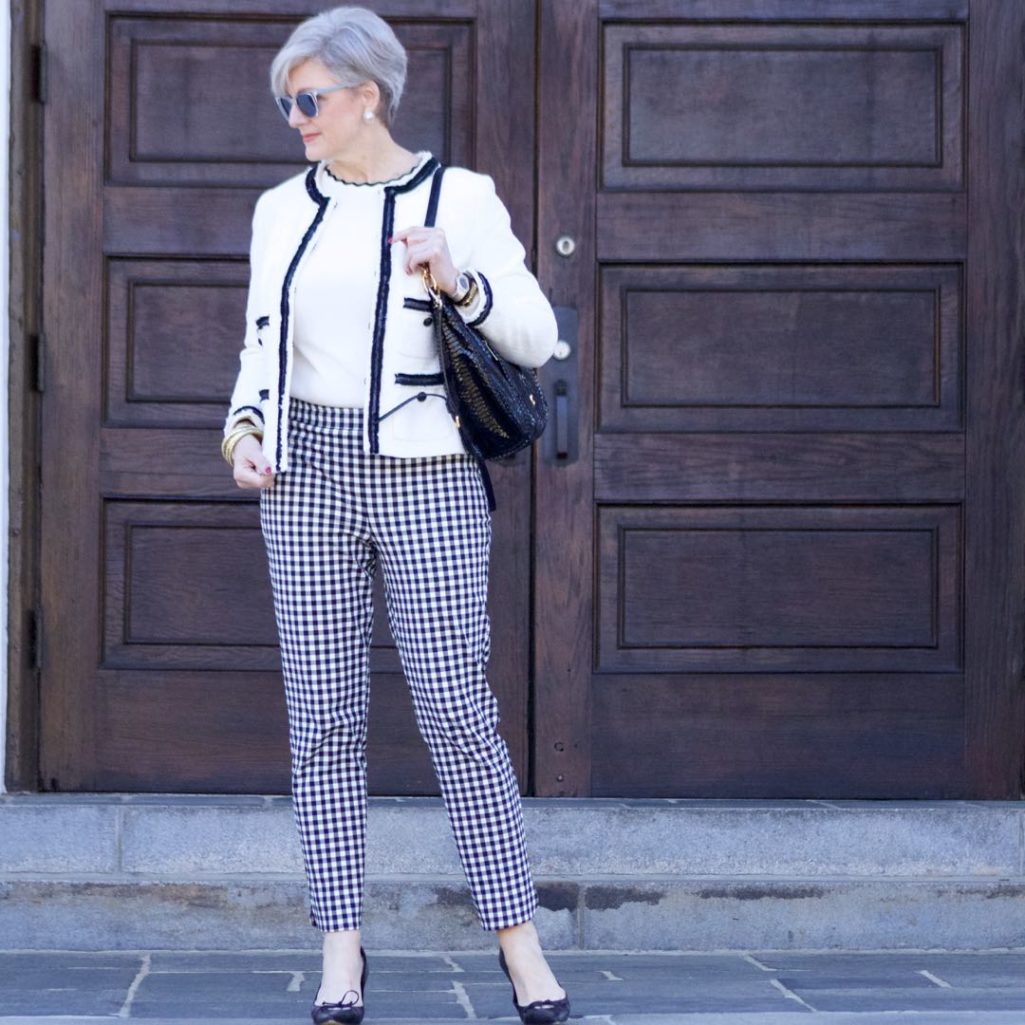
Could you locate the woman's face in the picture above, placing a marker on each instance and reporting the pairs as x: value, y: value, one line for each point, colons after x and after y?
x: 333, y: 132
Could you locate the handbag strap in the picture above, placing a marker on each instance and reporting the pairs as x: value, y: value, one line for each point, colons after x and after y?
x: 432, y: 203
x: 432, y: 213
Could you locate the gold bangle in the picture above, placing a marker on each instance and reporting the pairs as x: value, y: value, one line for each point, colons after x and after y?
x: 231, y: 440
x: 238, y: 433
x: 228, y: 447
x: 231, y: 443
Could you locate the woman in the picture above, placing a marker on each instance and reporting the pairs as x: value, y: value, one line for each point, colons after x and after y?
x: 338, y: 416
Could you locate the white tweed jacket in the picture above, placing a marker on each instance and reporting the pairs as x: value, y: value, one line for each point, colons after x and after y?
x: 511, y: 310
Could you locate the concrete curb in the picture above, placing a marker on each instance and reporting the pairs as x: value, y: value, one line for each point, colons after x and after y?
x: 194, y: 870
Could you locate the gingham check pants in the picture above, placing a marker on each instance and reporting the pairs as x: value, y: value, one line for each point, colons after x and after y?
x: 327, y: 521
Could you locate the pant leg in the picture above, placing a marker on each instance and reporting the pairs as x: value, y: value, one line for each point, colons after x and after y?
x: 321, y: 565
x: 433, y: 531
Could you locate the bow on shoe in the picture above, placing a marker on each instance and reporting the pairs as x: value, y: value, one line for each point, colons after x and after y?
x: 544, y: 1012
x: 537, y: 1012
x: 344, y: 1012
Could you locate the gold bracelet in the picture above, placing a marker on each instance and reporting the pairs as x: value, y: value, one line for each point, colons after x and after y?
x: 228, y: 446
x: 471, y: 292
x: 237, y: 434
x: 231, y: 440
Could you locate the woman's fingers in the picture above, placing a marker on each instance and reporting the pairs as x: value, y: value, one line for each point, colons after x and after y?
x: 423, y: 245
x: 251, y: 469
x: 428, y: 247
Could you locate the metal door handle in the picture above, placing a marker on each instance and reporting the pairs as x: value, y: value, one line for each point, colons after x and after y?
x: 559, y: 377
x: 561, y: 420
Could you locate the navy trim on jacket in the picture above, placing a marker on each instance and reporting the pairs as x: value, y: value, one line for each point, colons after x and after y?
x: 321, y: 201
x: 251, y: 409
x: 488, y: 296
x: 381, y: 311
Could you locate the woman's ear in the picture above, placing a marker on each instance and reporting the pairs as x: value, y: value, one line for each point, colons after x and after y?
x: 370, y: 95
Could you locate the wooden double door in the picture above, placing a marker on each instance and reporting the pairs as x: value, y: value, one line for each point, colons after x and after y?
x: 770, y: 546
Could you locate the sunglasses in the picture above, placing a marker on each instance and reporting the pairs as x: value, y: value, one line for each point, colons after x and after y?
x: 306, y: 101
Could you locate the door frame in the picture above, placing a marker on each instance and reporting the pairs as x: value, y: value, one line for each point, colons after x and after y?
x: 994, y: 484
x: 21, y: 762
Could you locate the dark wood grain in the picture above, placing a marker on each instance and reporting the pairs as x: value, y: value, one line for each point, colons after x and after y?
x: 780, y: 735
x: 504, y: 149
x: 159, y: 314
x: 294, y: 10
x: 781, y: 347
x: 776, y: 467
x: 788, y: 380
x: 783, y: 106
x: 235, y: 720
x: 779, y: 589
x: 995, y: 499
x: 781, y: 11
x: 563, y: 592
x: 764, y: 226
x: 212, y: 221
x: 21, y: 771
x: 70, y: 525
x: 155, y: 139
x: 151, y: 201
x: 784, y: 329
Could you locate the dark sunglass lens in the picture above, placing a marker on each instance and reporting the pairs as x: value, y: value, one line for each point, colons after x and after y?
x: 307, y: 103
x: 284, y: 105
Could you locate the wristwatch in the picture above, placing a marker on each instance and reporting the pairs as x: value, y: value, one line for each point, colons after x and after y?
x: 466, y: 289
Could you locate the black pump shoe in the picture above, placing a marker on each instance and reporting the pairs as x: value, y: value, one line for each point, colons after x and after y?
x: 344, y: 1012
x: 537, y: 1012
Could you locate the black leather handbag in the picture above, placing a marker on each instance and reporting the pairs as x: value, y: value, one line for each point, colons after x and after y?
x: 498, y: 407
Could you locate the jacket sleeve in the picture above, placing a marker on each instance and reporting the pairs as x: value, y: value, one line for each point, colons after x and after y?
x: 245, y: 396
x: 510, y: 309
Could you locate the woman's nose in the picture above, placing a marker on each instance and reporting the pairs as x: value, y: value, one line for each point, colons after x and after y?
x: 296, y: 118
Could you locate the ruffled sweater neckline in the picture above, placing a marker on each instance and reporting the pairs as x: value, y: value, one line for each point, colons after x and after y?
x: 329, y: 184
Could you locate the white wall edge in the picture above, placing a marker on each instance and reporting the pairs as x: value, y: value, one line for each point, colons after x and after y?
x: 5, y: 354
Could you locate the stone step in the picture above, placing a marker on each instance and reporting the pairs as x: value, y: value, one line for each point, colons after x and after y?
x: 125, y: 871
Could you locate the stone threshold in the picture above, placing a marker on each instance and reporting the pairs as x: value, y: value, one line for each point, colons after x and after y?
x: 138, y: 870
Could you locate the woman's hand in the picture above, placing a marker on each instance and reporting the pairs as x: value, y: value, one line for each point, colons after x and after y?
x: 427, y: 247
x: 250, y: 464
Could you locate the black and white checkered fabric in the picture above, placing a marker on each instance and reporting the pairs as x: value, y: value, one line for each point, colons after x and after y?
x: 327, y: 521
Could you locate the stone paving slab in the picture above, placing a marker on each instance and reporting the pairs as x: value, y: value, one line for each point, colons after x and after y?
x: 276, y: 987
x: 701, y: 1018
x: 845, y: 1018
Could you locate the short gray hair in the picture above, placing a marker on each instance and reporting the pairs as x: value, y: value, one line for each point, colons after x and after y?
x: 355, y: 45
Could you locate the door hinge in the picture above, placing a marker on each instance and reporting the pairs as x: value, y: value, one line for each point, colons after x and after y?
x: 38, y: 343
x: 39, y: 72
x: 35, y: 637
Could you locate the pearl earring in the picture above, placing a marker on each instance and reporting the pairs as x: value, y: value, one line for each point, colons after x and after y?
x: 368, y: 115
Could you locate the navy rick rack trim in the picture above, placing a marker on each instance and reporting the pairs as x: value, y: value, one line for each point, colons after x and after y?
x: 380, y: 313
x: 321, y: 200
x: 488, y: 296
